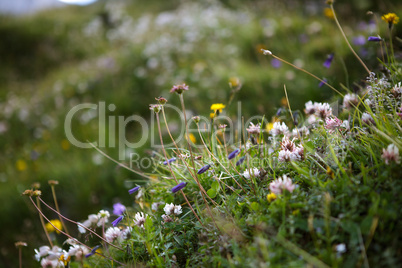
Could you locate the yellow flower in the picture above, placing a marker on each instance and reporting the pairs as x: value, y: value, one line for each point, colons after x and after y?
x: 217, y: 107
x: 330, y: 172
x: 269, y: 127
x: 271, y: 197
x: 391, y: 18
x: 212, y: 115
x: 21, y: 165
x: 192, y: 138
x: 328, y: 13
x: 56, y: 223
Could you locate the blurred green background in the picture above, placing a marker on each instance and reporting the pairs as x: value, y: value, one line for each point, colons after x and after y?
x: 127, y: 53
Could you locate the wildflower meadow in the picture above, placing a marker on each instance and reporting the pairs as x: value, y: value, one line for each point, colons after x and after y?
x: 204, y: 134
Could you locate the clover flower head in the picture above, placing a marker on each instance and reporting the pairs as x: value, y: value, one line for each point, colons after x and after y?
x: 155, y: 206
x: 125, y: 234
x: 254, y: 129
x: 155, y: 107
x: 139, y: 219
x: 112, y: 233
x: 303, y: 131
x: 391, y: 154
x: 310, y: 108
x: 350, y: 100
x: 179, y: 88
x: 166, y: 218
x: 332, y: 123
x: 41, y: 252
x: 118, y: 209
x: 323, y: 110
x: 255, y: 172
x: 287, y: 156
x: 78, y: 251
x: 279, y: 128
x: 171, y: 209
x: 367, y: 119
x: 287, y: 144
x: 281, y: 184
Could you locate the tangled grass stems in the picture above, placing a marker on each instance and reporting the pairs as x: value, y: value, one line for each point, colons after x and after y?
x: 170, y: 168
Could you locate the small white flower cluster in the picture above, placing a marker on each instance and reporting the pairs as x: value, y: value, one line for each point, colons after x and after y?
x: 333, y: 123
x: 155, y: 206
x: 303, y: 131
x: 56, y: 256
x: 367, y: 119
x: 279, y: 128
x: 350, y: 100
x: 255, y: 172
x: 172, y: 209
x: 113, y: 233
x: 289, y: 151
x: 139, y: 219
x: 391, y: 154
x: 317, y: 111
x: 281, y: 184
x: 254, y: 129
x: 94, y: 219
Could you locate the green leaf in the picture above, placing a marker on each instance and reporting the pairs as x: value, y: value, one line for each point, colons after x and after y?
x: 255, y: 206
x: 211, y: 193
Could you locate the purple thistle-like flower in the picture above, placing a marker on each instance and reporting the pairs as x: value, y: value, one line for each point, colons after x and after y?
x: 169, y: 160
x: 135, y: 189
x: 322, y: 82
x: 203, y: 169
x: 240, y: 161
x: 178, y: 187
x: 374, y: 39
x: 116, y: 221
x: 118, y: 209
x: 93, y: 251
x: 328, y: 61
x: 234, y: 154
x: 179, y: 88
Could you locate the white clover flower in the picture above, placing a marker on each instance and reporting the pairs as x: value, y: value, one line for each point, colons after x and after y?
x: 155, y: 206
x: 254, y: 129
x: 255, y: 172
x: 286, y: 156
x: 42, y: 252
x: 310, y: 108
x: 279, y: 128
x: 78, y: 251
x: 166, y: 218
x: 172, y: 209
x: 303, y: 131
x: 350, y: 100
x: 112, y: 233
x: 368, y: 102
x: 125, y: 234
x: 332, y: 123
x: 312, y: 119
x: 367, y: 119
x: 322, y: 110
x: 139, y: 219
x: 281, y: 184
x: 391, y: 154
x: 345, y: 124
x: 103, y: 217
x: 45, y: 262
x: 287, y: 144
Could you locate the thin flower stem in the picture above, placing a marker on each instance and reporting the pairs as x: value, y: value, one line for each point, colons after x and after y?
x: 307, y: 72
x: 120, y: 164
x: 69, y: 236
x: 346, y: 40
x: 42, y: 221
x: 171, y: 171
x: 391, y: 45
x: 57, y: 207
x: 179, y: 155
x: 83, y: 226
x: 211, y: 154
